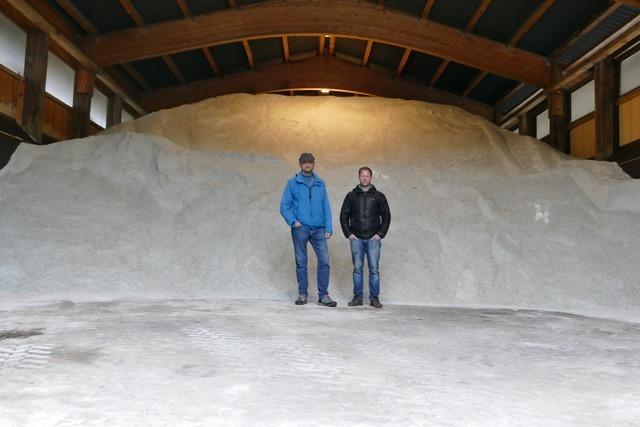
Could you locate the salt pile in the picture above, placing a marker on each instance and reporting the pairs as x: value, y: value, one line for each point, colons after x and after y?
x: 185, y: 202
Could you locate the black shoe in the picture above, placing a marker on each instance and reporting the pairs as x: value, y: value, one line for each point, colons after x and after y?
x: 302, y: 299
x: 327, y: 301
x: 355, y: 301
x: 375, y: 302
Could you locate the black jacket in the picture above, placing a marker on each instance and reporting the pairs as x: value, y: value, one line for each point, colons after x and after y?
x: 365, y: 213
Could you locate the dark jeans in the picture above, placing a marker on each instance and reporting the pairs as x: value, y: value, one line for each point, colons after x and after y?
x: 370, y: 248
x: 301, y: 236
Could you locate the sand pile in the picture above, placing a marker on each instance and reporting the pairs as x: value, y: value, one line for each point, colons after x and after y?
x: 185, y: 202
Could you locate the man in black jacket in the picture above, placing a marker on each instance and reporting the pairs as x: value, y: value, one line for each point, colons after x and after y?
x: 365, y: 219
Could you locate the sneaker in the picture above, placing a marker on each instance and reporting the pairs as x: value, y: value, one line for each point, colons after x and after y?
x: 355, y: 301
x: 327, y: 301
x: 375, y: 302
x: 302, y: 299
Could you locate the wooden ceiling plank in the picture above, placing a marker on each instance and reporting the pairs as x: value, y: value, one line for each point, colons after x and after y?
x: 359, y: 20
x: 530, y: 22
x: 403, y: 62
x: 78, y: 16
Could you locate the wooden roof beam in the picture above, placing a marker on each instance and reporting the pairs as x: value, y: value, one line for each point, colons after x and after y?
x: 233, y: 4
x: 332, y: 45
x: 367, y: 53
x: 60, y: 34
x: 249, y: 53
x: 132, y: 12
x: 174, y: 69
x: 632, y: 3
x: 136, y: 76
x: 313, y: 73
x: 475, y: 82
x: 357, y: 19
x: 482, y: 7
x: 77, y: 16
x: 426, y: 10
x: 212, y: 62
x: 285, y: 49
x: 530, y: 22
x: 403, y: 62
x: 184, y: 7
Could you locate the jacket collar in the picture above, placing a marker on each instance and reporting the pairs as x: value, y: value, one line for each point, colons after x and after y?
x: 359, y: 190
x: 299, y: 177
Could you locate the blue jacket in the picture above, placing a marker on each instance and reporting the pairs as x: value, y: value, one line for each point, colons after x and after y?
x: 310, y: 206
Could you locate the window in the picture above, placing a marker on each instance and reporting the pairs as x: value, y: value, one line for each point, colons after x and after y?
x: 60, y: 80
x: 630, y: 73
x: 99, y: 106
x: 583, y: 101
x: 13, y: 45
x: 542, y: 124
x: 126, y: 117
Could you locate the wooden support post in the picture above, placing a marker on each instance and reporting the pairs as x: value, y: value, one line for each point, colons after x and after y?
x: 527, y: 124
x: 81, y: 122
x: 559, y: 114
x: 114, y: 110
x: 607, y: 89
x: 35, y: 77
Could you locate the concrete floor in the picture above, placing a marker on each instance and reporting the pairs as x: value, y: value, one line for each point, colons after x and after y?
x: 250, y: 362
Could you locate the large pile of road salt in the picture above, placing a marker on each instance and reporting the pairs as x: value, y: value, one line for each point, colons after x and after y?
x: 185, y: 202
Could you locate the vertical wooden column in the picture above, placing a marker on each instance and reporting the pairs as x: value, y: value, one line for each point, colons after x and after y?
x: 607, y: 90
x: 80, y: 125
x: 114, y: 110
x: 527, y: 124
x: 35, y: 77
x: 559, y: 117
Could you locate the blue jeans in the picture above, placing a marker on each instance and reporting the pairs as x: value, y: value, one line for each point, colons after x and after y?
x: 301, y: 236
x: 370, y: 248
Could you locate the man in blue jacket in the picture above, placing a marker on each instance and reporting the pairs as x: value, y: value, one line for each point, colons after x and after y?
x: 305, y: 208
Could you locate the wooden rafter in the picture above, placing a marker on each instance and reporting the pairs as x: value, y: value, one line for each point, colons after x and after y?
x: 77, y: 16
x: 530, y: 22
x: 136, y: 76
x: 332, y: 45
x: 509, y: 93
x: 367, y: 53
x: 359, y: 20
x: 321, y: 44
x: 482, y: 7
x: 586, y: 30
x: 312, y: 74
x: 426, y: 10
x: 249, y: 53
x: 212, y: 62
x: 132, y: 12
x: 403, y: 62
x: 233, y: 4
x: 285, y: 48
x: 632, y: 3
x: 477, y: 15
x: 475, y: 82
x: 174, y: 69
x: 184, y: 7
